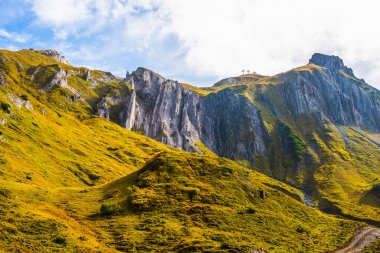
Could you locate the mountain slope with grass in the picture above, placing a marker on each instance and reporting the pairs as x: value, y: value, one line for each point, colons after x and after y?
x: 73, y: 181
x: 314, y: 127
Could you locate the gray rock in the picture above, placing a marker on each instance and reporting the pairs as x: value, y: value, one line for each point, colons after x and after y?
x: 60, y: 79
x: 230, y: 124
x: 18, y: 102
x: 102, y: 109
x: 330, y: 94
x: 87, y: 76
x: 163, y: 109
x: 3, y: 121
x: 3, y: 81
x: 54, y: 54
x: 28, y: 105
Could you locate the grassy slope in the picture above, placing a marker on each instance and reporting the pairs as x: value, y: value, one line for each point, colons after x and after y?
x: 56, y: 170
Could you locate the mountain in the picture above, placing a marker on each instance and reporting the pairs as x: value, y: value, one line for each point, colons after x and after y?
x: 72, y: 180
x: 314, y: 127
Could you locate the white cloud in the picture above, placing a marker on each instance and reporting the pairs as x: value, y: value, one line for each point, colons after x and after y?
x: 16, y: 37
x: 220, y: 37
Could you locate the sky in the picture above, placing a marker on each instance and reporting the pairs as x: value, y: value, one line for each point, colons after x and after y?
x: 197, y: 41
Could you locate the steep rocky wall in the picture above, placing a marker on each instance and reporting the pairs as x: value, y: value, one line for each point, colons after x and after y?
x: 335, y: 93
x: 228, y: 122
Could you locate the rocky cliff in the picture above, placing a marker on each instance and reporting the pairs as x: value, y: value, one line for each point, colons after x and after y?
x: 226, y: 122
x: 333, y: 92
x: 228, y: 118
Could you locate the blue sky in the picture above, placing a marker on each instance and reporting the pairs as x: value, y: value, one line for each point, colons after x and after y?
x: 197, y: 41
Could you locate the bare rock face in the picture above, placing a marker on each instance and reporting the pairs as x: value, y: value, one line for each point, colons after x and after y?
x: 163, y: 109
x: 334, y: 93
x: 228, y: 122
x: 3, y: 81
x: 19, y: 102
x: 60, y: 79
x: 102, y: 109
x: 52, y: 53
x: 87, y: 75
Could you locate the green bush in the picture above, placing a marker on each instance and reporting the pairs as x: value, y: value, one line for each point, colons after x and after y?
x: 59, y: 239
x: 301, y: 229
x: 249, y: 210
x: 109, y: 209
x: 24, y: 97
x: 4, y: 106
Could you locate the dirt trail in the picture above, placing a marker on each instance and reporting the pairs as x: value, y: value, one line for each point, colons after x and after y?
x: 363, y: 237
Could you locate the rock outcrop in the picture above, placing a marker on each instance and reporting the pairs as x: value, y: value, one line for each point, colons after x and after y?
x: 3, y: 81
x: 19, y: 102
x: 52, y: 53
x: 102, y: 109
x: 60, y: 79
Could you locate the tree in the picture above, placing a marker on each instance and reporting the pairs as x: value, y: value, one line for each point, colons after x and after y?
x: 243, y: 71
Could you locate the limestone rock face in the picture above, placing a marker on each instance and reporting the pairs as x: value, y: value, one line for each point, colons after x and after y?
x: 102, y: 109
x: 333, y: 93
x: 167, y: 111
x: 52, y: 53
x: 228, y: 121
x: 60, y: 79
x: 19, y: 103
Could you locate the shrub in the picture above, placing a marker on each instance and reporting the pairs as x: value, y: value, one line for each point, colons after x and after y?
x: 4, y: 106
x: 301, y: 229
x: 249, y: 210
x: 109, y: 209
x: 59, y: 239
x: 192, y: 193
x: 24, y: 97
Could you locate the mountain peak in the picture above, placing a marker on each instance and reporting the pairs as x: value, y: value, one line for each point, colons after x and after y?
x: 143, y: 76
x: 328, y: 61
x: 332, y: 62
x: 141, y: 71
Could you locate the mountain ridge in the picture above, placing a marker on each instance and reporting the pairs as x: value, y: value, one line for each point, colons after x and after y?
x: 281, y: 125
